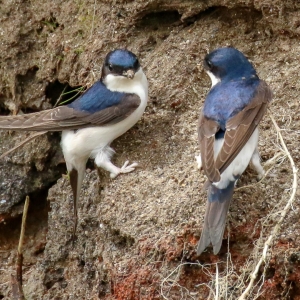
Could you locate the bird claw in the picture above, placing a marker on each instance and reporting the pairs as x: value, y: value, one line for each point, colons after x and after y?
x: 124, y: 169
x: 260, y: 175
x: 199, y: 161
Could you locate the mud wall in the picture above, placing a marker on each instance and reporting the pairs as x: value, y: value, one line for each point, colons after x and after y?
x: 137, y: 233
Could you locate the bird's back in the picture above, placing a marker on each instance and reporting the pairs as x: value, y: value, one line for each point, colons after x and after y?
x: 229, y: 97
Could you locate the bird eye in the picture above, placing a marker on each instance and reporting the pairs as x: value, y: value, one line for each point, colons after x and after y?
x: 209, y: 63
x: 136, y: 64
x: 110, y: 67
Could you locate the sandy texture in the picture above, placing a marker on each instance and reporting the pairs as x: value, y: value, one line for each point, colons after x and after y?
x: 137, y: 234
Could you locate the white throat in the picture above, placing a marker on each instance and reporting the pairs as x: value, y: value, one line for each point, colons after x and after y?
x: 213, y: 78
x: 138, y: 85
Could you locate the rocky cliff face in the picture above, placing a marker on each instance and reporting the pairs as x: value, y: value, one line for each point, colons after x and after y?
x: 137, y: 233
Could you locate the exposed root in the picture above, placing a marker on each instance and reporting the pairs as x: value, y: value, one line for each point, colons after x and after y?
x: 17, y: 289
x: 30, y: 138
x: 247, y: 281
x: 283, y: 214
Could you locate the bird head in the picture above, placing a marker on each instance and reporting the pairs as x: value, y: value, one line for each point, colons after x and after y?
x: 227, y: 64
x: 120, y: 63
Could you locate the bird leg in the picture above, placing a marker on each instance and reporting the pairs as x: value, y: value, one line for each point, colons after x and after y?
x: 102, y: 160
x: 114, y: 170
x: 256, y: 165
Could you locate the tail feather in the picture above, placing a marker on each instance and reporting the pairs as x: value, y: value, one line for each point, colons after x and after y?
x: 56, y: 119
x: 215, y: 217
x: 76, y: 179
x: 26, y: 122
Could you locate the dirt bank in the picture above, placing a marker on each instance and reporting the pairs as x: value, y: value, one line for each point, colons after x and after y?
x: 137, y: 233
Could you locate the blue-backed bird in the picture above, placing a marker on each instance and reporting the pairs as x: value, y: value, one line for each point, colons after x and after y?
x: 105, y: 111
x: 228, y: 134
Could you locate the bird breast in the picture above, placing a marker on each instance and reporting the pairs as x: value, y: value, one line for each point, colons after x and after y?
x: 87, y: 142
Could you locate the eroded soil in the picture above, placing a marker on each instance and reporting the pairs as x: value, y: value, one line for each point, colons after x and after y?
x: 137, y: 234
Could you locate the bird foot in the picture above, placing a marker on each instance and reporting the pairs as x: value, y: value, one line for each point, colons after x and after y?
x: 66, y: 176
x: 260, y: 175
x: 124, y: 169
x: 256, y: 165
x: 199, y: 161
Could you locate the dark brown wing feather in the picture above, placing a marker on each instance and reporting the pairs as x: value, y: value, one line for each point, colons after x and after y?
x: 114, y: 114
x: 240, y: 127
x: 64, y: 117
x: 206, y: 135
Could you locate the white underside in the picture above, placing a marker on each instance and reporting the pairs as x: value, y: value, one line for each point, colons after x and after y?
x: 240, y: 163
x: 94, y: 141
x: 213, y: 78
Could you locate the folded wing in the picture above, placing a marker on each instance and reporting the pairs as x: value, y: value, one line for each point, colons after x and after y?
x: 64, y: 117
x: 238, y: 131
x: 240, y: 127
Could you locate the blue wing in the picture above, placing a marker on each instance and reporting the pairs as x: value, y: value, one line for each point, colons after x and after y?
x: 228, y: 98
x: 98, y: 106
x: 96, y: 98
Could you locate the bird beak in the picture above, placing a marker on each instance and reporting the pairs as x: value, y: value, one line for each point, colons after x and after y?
x: 129, y: 74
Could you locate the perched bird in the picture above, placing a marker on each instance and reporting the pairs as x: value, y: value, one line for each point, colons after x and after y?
x: 228, y: 134
x: 89, y: 124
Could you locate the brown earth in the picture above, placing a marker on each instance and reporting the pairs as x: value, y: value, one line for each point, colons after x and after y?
x: 137, y: 234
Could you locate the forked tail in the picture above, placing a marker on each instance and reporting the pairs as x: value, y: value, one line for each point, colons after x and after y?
x: 215, y: 217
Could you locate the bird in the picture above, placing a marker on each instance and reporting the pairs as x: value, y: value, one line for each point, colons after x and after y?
x: 228, y: 134
x: 110, y: 107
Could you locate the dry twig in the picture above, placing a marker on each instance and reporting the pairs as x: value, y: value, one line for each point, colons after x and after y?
x: 31, y: 137
x: 283, y: 214
x: 17, y: 280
